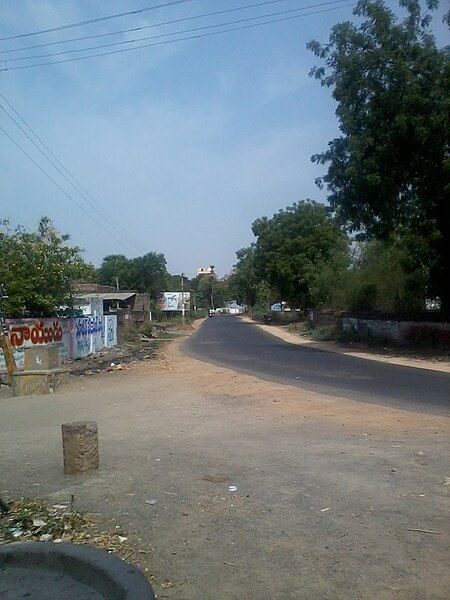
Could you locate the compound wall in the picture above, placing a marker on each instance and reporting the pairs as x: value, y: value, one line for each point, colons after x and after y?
x: 78, y: 337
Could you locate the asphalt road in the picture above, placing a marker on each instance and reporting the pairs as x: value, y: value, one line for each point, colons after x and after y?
x: 229, y: 341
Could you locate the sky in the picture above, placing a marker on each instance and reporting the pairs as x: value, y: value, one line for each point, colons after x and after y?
x: 182, y: 145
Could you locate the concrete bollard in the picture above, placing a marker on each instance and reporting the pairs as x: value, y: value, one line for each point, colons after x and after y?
x: 80, y: 447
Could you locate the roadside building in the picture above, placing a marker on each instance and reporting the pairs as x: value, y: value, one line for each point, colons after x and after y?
x: 130, y: 307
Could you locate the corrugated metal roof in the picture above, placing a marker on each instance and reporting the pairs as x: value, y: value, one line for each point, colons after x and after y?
x: 106, y: 296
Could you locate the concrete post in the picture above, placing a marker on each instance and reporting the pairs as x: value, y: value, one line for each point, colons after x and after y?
x: 80, y: 447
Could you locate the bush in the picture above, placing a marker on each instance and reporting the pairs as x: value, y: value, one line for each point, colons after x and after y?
x: 147, y: 328
x: 129, y: 334
x: 286, y: 318
x: 325, y: 333
x: 425, y: 337
x: 257, y: 313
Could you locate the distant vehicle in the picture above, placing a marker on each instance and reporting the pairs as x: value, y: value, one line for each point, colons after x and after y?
x: 211, y: 312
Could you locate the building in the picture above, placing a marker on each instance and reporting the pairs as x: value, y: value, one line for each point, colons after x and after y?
x: 131, y: 307
x: 234, y: 308
x: 205, y: 271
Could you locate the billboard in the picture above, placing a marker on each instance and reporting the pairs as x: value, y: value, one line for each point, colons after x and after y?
x: 173, y: 300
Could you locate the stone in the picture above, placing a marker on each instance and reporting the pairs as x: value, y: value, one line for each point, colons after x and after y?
x: 80, y: 447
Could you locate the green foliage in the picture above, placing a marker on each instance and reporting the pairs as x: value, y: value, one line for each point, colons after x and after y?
x: 243, y: 283
x: 380, y: 280
x: 324, y: 333
x: 286, y: 317
x: 389, y: 171
x: 209, y: 291
x: 38, y: 269
x: 294, y: 247
x: 146, y: 273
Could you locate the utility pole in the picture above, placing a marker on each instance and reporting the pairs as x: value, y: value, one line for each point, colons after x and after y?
x: 5, y: 343
x: 183, y: 317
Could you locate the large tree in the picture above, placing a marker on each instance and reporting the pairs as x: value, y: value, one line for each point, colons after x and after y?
x: 243, y: 282
x: 146, y: 273
x: 38, y: 269
x: 389, y: 170
x: 294, y: 246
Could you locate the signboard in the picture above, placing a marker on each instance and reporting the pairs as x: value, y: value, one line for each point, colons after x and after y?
x: 172, y: 301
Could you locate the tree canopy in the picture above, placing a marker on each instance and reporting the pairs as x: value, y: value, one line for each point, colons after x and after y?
x: 146, y: 273
x: 38, y: 269
x: 389, y: 170
x: 294, y: 246
x: 244, y: 282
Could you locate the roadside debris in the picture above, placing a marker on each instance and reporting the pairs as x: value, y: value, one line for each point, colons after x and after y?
x: 113, y: 359
x: 232, y: 488
x: 446, y: 481
x: 324, y: 509
x: 218, y: 478
x: 152, y: 501
x: 426, y: 531
x: 33, y: 520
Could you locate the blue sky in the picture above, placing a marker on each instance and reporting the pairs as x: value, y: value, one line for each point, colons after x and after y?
x: 184, y: 144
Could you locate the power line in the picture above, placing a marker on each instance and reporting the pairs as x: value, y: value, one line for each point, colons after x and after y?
x: 62, y: 170
x: 80, y: 206
x: 161, y: 35
x: 182, y: 39
x: 97, y: 20
x: 132, y: 29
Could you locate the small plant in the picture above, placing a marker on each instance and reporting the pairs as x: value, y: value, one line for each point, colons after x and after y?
x: 146, y: 328
x: 324, y: 333
x: 129, y: 334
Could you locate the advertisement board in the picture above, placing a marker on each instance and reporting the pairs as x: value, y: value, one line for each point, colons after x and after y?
x: 172, y: 301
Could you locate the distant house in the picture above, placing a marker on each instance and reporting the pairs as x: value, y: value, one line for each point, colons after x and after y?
x: 205, y: 271
x: 131, y: 308
x: 234, y: 308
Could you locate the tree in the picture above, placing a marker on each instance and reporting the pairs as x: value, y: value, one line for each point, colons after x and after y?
x: 38, y: 269
x: 243, y: 282
x: 292, y: 248
x: 146, y: 273
x: 150, y: 273
x: 115, y: 268
x: 389, y: 171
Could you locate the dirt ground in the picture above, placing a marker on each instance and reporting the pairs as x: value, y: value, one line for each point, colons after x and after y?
x: 333, y: 499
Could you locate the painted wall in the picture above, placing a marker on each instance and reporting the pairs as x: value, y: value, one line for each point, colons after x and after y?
x: 110, y: 331
x: 401, y: 332
x: 77, y: 337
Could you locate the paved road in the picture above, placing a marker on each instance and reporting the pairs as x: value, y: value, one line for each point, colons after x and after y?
x: 231, y: 342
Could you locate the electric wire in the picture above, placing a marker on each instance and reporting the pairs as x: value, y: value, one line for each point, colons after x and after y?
x: 96, y: 20
x: 80, y: 206
x: 182, y: 31
x: 165, y: 42
x: 62, y: 170
x: 133, y: 29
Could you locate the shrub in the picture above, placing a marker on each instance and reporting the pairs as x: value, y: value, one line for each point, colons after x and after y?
x: 147, y: 328
x: 129, y: 334
x: 324, y: 333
